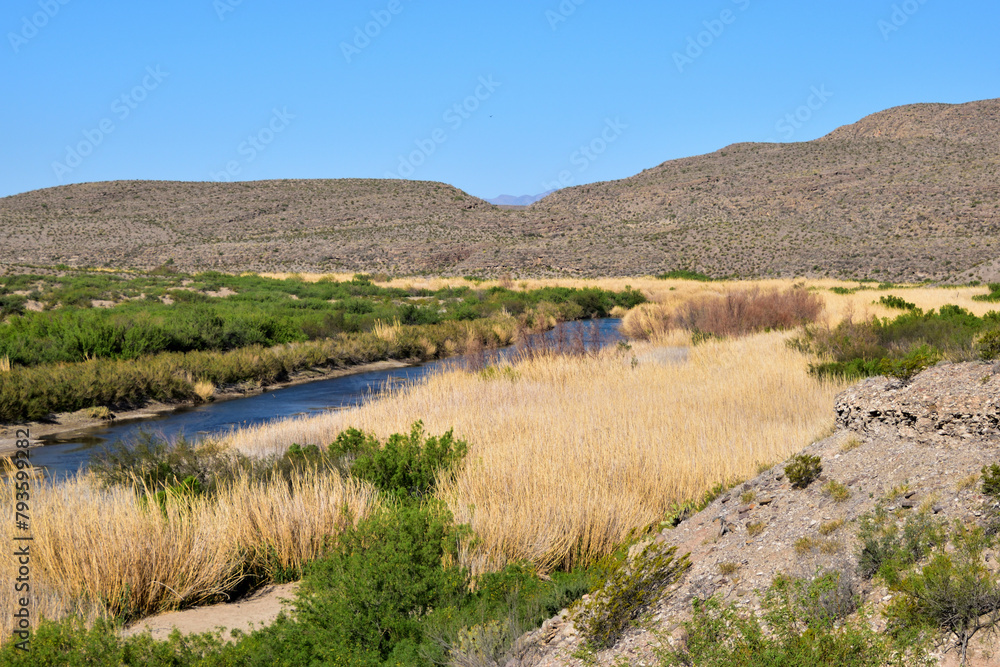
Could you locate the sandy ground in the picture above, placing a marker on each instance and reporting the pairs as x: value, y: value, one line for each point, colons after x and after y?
x: 68, y: 422
x: 249, y: 613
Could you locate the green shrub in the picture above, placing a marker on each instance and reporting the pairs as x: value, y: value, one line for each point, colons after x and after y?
x: 69, y: 642
x: 954, y: 592
x: 993, y: 296
x: 803, y: 470
x: 801, y: 627
x: 684, y: 274
x: 405, y: 466
x: 902, y: 346
x: 991, y: 480
x: 988, y: 345
x: 886, y: 549
x: 896, y: 302
x: 837, y: 491
x: 625, y: 591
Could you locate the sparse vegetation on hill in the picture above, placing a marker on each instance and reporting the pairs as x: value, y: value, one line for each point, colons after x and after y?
x: 910, y: 193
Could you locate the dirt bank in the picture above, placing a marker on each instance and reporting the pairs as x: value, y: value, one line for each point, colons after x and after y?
x: 67, y: 422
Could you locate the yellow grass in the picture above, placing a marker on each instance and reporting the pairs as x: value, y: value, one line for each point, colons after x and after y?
x: 204, y: 389
x: 95, y: 547
x: 4, y: 364
x: 567, y: 455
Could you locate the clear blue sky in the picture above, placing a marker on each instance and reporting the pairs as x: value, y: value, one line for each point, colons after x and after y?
x: 249, y: 89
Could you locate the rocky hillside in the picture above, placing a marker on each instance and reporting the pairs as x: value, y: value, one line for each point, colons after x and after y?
x: 912, y: 192
x: 913, y: 447
x: 905, y: 194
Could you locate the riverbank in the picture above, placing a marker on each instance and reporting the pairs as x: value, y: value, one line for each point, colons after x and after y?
x: 69, y: 422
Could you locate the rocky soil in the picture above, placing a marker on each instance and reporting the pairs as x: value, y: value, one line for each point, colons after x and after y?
x: 913, y: 446
x: 905, y: 194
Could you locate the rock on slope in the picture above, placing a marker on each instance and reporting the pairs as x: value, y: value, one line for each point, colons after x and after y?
x: 913, y: 445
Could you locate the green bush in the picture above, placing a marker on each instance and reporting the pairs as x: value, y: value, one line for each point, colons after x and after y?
x: 988, y: 345
x: 70, y: 643
x: 405, y: 466
x: 991, y: 480
x: 902, y: 346
x: 955, y: 592
x: 896, y: 302
x: 625, y: 591
x: 993, y: 296
x: 885, y: 548
x: 803, y: 470
x: 797, y: 630
x: 684, y: 274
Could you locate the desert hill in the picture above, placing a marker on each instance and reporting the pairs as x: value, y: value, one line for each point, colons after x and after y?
x: 911, y: 192
x: 905, y: 194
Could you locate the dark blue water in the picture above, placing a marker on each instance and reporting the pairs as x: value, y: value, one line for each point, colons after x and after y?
x: 68, y: 452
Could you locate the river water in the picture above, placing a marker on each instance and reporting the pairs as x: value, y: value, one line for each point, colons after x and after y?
x: 66, y: 453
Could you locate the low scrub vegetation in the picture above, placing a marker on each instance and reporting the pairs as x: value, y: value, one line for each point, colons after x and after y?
x: 904, y: 345
x: 218, y: 312
x: 992, y: 297
x: 30, y: 393
x: 174, y: 338
x: 803, y: 623
x: 625, y: 590
x: 803, y: 470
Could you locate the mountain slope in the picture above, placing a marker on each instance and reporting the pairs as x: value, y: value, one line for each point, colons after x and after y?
x: 912, y: 192
x: 905, y: 194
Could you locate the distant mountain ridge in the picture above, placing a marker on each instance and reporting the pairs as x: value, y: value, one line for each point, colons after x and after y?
x: 909, y: 193
x: 523, y: 200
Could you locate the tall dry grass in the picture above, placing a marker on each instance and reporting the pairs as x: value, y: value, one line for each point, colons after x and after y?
x: 568, y: 453
x: 735, y: 313
x: 103, y: 550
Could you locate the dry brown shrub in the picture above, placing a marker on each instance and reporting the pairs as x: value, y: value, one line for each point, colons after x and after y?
x: 736, y: 313
x: 748, y: 311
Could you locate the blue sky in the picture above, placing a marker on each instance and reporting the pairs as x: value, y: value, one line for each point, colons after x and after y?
x: 491, y: 97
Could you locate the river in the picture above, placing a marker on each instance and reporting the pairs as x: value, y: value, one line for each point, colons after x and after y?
x: 65, y: 453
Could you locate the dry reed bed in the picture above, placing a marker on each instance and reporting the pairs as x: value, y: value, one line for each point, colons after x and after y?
x: 571, y: 453
x: 98, y: 549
